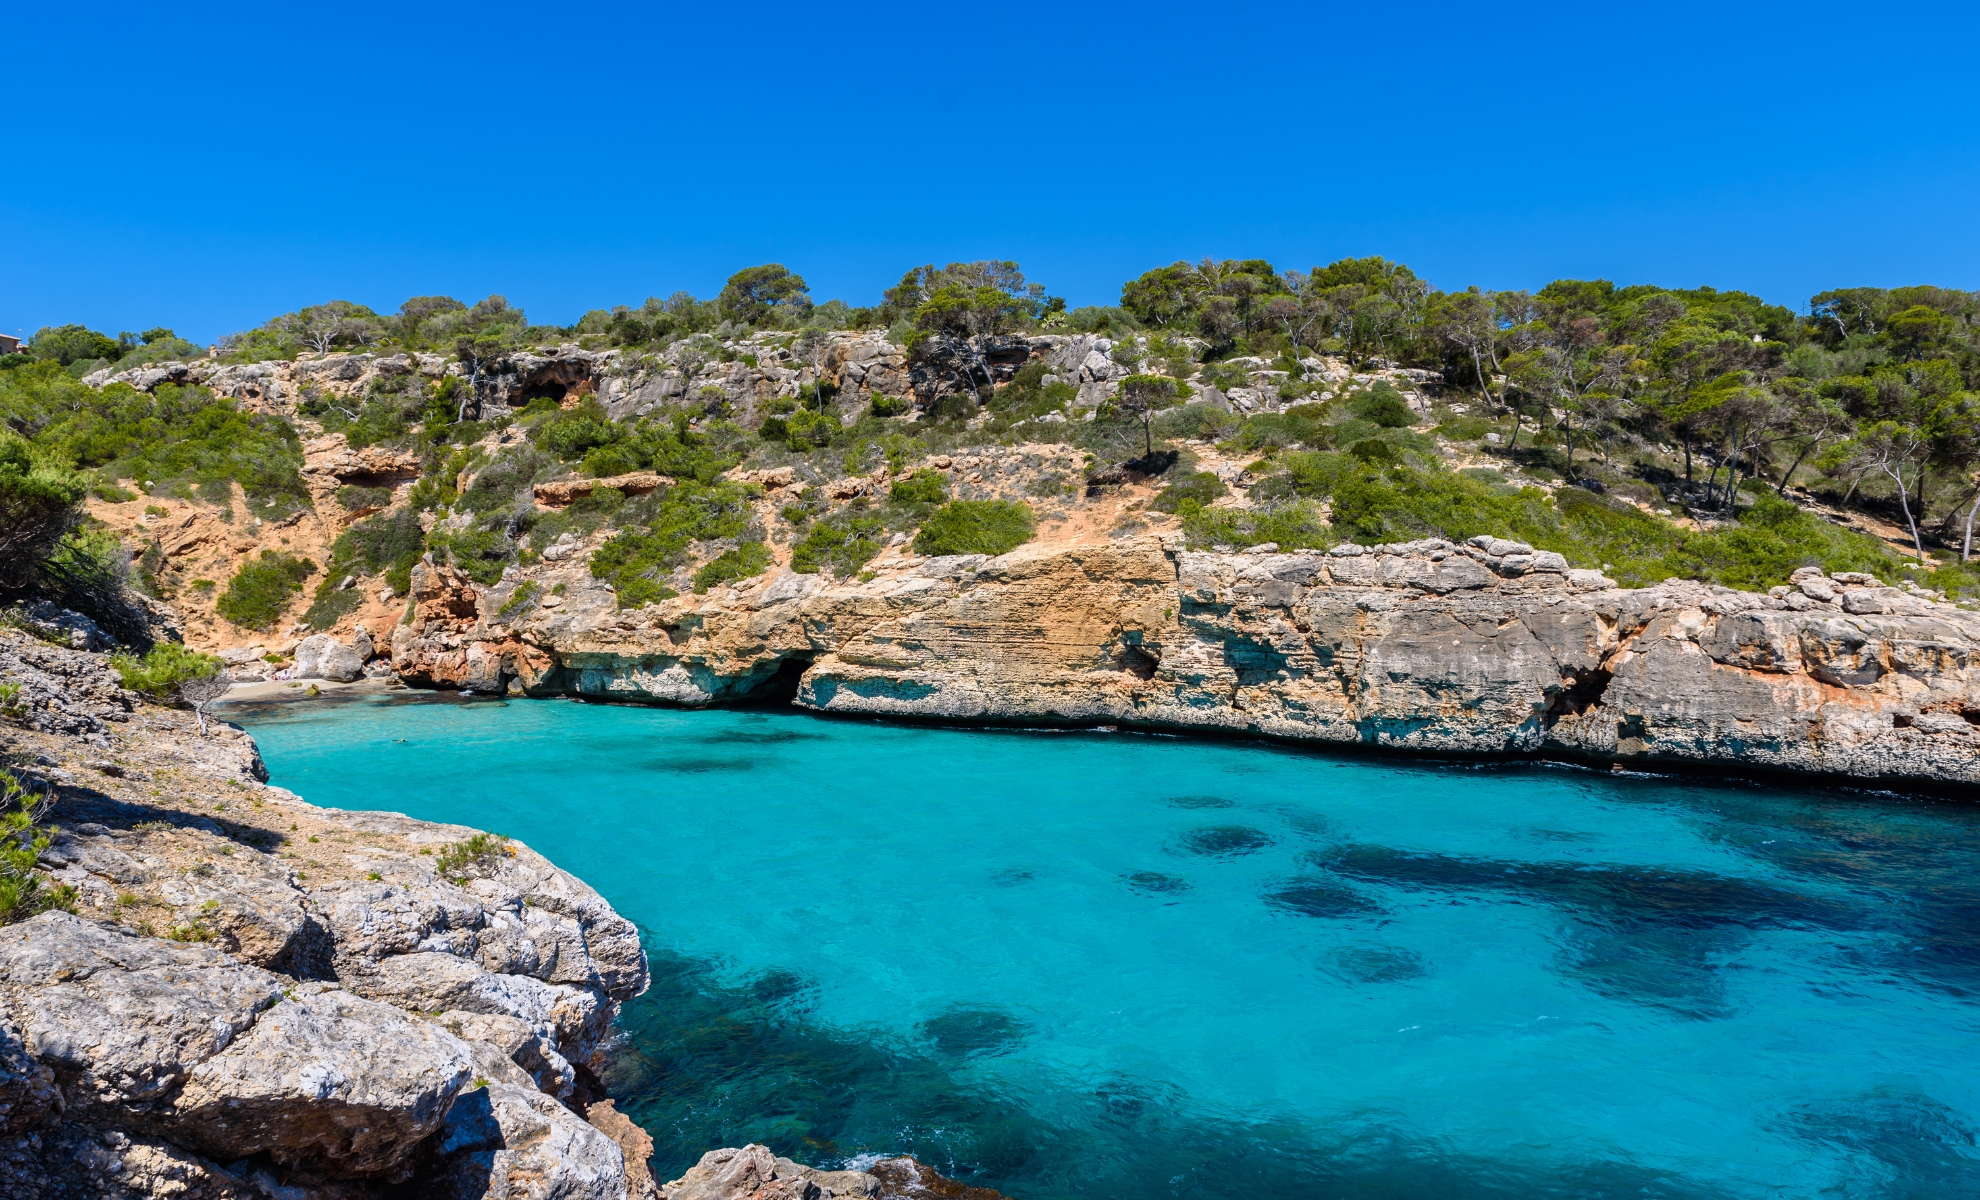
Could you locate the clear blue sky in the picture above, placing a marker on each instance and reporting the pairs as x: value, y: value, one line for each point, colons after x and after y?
x: 206, y: 166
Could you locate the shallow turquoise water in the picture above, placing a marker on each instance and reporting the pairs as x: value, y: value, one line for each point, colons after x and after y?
x: 1112, y: 965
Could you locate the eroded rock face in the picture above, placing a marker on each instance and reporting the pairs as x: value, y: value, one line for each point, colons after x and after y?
x: 325, y: 1079
x: 326, y: 1003
x: 1489, y: 648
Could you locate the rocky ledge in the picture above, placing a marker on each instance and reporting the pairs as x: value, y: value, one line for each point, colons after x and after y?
x: 1487, y: 648
x: 257, y: 997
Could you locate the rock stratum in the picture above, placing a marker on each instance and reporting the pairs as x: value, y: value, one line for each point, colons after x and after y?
x: 1487, y: 648
x: 257, y: 997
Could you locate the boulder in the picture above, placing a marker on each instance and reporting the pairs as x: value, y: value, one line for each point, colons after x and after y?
x: 123, y: 1019
x: 326, y: 1080
x: 503, y: 1142
x: 321, y: 656
x: 754, y: 1173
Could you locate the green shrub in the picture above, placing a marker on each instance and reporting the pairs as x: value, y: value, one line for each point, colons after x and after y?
x: 39, y: 505
x: 331, y: 606
x: 178, y: 440
x: 1383, y: 405
x: 352, y: 497
x: 260, y: 591
x: 571, y: 434
x: 841, y: 544
x: 163, y: 669
x: 520, y: 601
x: 23, y: 892
x: 889, y: 406
x: 455, y: 863
x: 634, y: 560
x: 743, y: 562
x: 1293, y: 526
x: 990, y: 527
x: 922, y: 487
x: 1202, y: 487
x: 606, y: 461
x: 387, y: 544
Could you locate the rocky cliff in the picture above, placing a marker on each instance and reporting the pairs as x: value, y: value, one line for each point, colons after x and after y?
x: 254, y: 996
x: 251, y: 996
x: 1487, y: 648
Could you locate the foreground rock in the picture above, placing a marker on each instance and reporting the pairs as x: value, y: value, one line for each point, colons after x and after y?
x: 754, y: 1173
x: 258, y: 997
x: 1487, y: 648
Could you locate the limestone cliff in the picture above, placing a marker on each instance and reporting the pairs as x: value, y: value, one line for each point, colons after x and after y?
x: 1488, y: 648
x: 257, y: 997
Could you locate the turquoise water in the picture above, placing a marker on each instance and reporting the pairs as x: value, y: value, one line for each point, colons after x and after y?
x: 1123, y: 966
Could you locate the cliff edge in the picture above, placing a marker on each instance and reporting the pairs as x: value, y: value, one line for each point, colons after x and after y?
x: 1486, y: 648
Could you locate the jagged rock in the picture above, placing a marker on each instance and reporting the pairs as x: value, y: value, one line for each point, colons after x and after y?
x: 521, y: 1049
x: 122, y: 1019
x: 502, y: 1142
x: 27, y: 1087
x: 325, y: 1080
x: 1488, y: 648
x: 561, y: 492
x: 134, y: 1066
x: 321, y: 656
x: 754, y: 1173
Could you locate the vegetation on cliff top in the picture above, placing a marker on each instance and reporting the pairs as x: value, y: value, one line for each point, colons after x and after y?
x: 1695, y: 400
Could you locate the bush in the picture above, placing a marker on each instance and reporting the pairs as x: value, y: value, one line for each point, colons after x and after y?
x: 1384, y: 406
x: 634, y: 560
x: 745, y: 561
x: 483, y: 850
x: 23, y: 892
x: 922, y: 487
x: 331, y: 606
x: 889, y: 406
x: 39, y: 505
x: 573, y: 433
x: 260, y: 591
x: 352, y: 497
x: 1293, y: 526
x: 841, y: 543
x: 990, y: 527
x: 159, y: 673
x: 1201, y: 487
x: 177, y: 440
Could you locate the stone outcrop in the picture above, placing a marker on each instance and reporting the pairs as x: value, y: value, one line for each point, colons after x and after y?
x: 754, y: 1173
x: 1487, y: 648
x: 320, y: 656
x: 257, y: 997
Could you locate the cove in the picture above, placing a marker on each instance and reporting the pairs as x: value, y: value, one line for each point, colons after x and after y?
x: 1116, y: 965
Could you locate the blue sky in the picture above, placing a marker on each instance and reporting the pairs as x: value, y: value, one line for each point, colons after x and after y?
x: 206, y: 166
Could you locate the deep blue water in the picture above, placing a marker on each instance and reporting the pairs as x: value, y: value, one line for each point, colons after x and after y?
x: 1105, y: 965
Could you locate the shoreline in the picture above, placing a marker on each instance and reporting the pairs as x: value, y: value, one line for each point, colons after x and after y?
x: 1716, y: 774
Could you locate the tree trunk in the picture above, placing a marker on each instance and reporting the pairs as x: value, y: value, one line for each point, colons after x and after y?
x: 1904, y: 502
x: 1966, y: 549
x: 1782, y: 490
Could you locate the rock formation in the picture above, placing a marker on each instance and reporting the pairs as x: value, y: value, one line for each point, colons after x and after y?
x: 257, y: 997
x: 1486, y: 648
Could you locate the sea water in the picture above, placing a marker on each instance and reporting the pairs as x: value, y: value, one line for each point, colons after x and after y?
x: 1120, y: 965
